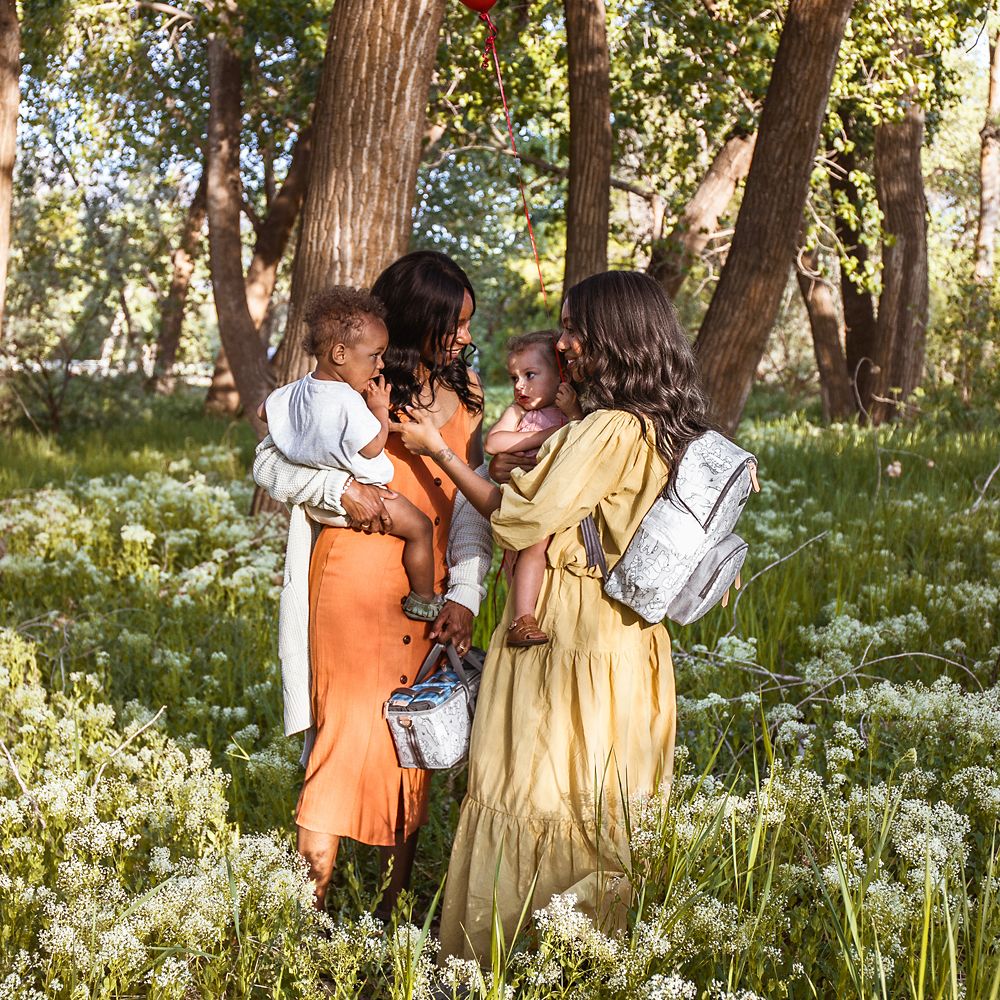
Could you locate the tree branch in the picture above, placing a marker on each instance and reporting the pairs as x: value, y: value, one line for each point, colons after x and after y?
x: 982, y: 492
x: 175, y: 13
x: 500, y: 145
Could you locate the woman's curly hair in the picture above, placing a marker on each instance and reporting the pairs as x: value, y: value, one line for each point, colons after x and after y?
x: 637, y: 358
x: 423, y: 294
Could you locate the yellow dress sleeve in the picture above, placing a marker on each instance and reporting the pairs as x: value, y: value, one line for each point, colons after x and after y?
x: 578, y: 467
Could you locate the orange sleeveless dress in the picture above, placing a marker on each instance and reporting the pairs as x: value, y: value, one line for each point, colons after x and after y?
x: 361, y: 647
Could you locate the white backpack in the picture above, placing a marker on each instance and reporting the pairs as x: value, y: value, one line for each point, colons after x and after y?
x: 684, y: 557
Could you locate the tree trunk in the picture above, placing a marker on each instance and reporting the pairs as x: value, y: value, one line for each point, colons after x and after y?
x: 989, y: 173
x: 222, y: 397
x: 860, y: 328
x: 172, y: 310
x: 903, y: 304
x: 834, y: 384
x: 269, y: 249
x: 735, y: 329
x: 10, y: 96
x: 369, y: 124
x: 239, y: 337
x: 672, y: 257
x: 276, y: 229
x: 589, y: 200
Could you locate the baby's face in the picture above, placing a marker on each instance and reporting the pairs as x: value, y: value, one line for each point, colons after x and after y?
x: 534, y: 377
x: 362, y: 360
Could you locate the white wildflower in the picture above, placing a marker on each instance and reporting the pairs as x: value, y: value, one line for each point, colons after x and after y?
x: 137, y: 534
x: 671, y: 987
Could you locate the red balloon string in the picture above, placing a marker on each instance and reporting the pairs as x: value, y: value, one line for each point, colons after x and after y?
x: 490, y: 53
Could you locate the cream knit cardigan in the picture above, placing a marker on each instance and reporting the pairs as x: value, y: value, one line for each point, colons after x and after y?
x: 470, y: 553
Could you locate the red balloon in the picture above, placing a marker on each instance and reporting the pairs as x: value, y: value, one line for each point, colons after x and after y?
x: 479, y: 6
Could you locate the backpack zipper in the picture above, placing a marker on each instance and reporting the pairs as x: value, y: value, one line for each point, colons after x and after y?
x: 725, y: 489
x: 718, y: 569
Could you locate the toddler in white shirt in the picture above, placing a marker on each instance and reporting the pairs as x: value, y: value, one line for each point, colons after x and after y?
x: 337, y: 417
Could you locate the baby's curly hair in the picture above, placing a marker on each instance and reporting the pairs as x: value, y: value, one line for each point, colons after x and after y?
x: 335, y: 317
x: 546, y: 340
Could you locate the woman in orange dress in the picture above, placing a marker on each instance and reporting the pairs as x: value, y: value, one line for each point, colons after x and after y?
x: 361, y: 645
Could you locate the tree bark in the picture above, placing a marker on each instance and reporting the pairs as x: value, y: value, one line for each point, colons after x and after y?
x: 172, y: 310
x: 671, y: 258
x: 735, y: 329
x: 834, y: 384
x: 10, y: 96
x: 860, y: 327
x: 589, y: 200
x: 276, y: 229
x: 989, y: 173
x: 369, y: 125
x: 239, y: 337
x: 269, y: 249
x: 903, y: 304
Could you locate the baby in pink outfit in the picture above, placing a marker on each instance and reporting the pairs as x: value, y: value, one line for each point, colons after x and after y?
x: 543, y: 403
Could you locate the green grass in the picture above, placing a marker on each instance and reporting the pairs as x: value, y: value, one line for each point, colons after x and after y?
x: 143, y: 440
x: 892, y: 578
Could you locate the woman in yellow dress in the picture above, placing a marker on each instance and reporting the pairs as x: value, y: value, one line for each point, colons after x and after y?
x: 566, y: 733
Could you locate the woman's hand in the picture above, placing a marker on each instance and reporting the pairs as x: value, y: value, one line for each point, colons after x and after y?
x: 365, y: 506
x: 454, y: 624
x: 506, y: 462
x: 419, y: 434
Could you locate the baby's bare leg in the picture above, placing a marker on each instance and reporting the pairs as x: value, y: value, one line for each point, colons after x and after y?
x: 527, y: 583
x: 416, y: 530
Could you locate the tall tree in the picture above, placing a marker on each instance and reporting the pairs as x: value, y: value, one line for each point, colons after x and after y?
x: 237, y: 331
x: 174, y: 303
x: 903, y: 304
x: 10, y: 96
x: 734, y: 332
x: 272, y: 235
x: 368, y: 128
x: 860, y: 326
x: 817, y: 294
x: 671, y: 258
x: 989, y: 172
x: 590, y: 142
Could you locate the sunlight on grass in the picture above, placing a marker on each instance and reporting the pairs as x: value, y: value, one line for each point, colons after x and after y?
x: 827, y: 833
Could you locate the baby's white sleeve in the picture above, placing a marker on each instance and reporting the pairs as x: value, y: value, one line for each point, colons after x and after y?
x: 361, y: 426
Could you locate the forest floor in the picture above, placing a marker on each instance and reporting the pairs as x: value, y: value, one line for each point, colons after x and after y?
x: 832, y: 826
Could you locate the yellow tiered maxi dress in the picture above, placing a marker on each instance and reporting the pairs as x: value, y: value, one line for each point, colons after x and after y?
x: 564, y: 733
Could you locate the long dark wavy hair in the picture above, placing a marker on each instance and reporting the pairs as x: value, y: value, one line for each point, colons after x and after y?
x: 423, y: 294
x: 637, y: 358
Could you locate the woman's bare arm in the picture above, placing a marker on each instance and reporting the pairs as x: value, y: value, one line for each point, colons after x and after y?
x: 422, y: 438
x: 481, y: 493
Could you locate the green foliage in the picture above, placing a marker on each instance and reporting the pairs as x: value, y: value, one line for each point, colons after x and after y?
x: 114, y: 111
x: 825, y: 830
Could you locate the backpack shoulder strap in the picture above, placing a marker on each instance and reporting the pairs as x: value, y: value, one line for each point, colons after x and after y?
x: 592, y: 545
